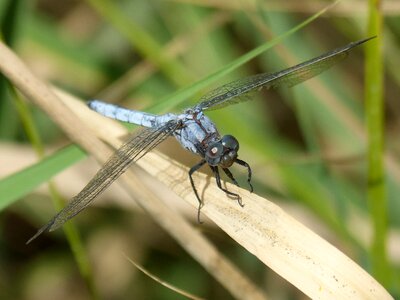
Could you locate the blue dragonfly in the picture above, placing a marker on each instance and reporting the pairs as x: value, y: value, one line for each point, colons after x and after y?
x: 193, y: 130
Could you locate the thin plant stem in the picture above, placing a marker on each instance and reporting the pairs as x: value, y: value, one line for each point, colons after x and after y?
x: 376, y: 188
x: 70, y: 229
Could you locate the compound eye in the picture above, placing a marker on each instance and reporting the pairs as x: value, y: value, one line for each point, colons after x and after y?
x: 228, y: 159
x: 214, y: 153
x: 230, y: 142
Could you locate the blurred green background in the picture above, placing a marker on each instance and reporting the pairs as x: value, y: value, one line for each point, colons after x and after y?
x: 307, y: 145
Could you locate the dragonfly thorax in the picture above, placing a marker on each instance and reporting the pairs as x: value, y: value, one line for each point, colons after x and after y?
x: 197, y: 132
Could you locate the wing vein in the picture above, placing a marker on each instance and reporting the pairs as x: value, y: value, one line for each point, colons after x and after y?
x: 239, y: 90
x: 135, y: 148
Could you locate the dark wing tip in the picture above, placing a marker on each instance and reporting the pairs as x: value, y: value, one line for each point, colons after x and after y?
x: 47, y: 227
x: 363, y: 41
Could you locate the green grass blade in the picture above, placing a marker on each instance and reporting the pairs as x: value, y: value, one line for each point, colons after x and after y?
x: 28, y: 123
x: 75, y: 244
x: 8, y: 27
x: 21, y: 183
x: 376, y: 192
x: 186, y: 93
x: 69, y: 229
x: 142, y: 41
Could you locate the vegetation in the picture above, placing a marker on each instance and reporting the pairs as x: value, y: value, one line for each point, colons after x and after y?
x: 323, y: 151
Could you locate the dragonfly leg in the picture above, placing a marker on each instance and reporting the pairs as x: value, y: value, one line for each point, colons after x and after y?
x: 191, y: 171
x: 245, y: 164
x: 230, y: 175
x: 218, y: 179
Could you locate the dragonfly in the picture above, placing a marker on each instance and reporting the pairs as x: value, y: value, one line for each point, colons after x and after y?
x: 194, y: 131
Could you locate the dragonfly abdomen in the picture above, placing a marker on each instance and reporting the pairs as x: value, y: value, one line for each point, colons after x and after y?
x: 122, y: 114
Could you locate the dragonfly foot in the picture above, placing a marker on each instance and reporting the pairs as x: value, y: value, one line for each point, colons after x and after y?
x: 239, y: 200
x: 198, y: 213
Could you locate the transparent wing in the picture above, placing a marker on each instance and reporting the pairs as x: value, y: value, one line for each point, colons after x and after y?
x: 238, y: 91
x: 135, y: 148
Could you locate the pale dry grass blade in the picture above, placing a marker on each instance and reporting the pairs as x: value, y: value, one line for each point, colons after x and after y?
x: 286, y: 246
x: 289, y: 248
x: 189, y: 238
x: 177, y: 46
x: 162, y: 282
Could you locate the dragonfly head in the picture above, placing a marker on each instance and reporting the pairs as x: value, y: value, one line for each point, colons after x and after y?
x: 223, y: 152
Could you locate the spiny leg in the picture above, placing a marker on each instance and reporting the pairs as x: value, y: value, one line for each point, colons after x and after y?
x: 230, y: 175
x: 191, y: 171
x: 218, y: 179
x: 245, y: 164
